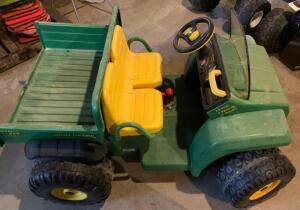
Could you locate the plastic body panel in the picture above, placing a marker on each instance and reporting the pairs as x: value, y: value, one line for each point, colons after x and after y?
x: 265, y: 90
x: 236, y: 133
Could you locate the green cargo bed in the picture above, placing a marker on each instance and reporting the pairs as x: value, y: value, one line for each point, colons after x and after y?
x: 60, y: 91
x: 61, y: 99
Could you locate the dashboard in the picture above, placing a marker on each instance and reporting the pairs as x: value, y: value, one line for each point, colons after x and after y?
x: 208, y: 60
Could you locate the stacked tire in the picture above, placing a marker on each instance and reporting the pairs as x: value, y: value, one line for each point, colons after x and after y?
x: 205, y: 5
x: 251, y: 13
x: 274, y: 32
x: 270, y: 28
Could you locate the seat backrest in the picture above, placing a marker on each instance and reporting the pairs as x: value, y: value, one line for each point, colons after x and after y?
x: 115, y: 97
x: 120, y: 52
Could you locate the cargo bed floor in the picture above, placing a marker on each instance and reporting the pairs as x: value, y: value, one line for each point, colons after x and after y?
x: 60, y: 91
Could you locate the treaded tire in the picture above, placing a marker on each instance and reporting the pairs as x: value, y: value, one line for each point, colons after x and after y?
x: 248, y: 172
x: 205, y: 5
x: 93, y: 180
x: 246, y: 9
x: 273, y: 32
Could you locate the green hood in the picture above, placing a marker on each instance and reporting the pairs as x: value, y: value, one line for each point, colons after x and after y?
x: 263, y: 74
x: 265, y: 90
x: 265, y: 86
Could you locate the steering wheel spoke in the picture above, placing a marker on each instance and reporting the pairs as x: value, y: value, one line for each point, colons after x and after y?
x: 186, y: 39
x: 194, y: 25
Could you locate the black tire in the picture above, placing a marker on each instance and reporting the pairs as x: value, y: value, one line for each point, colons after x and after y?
x: 246, y: 11
x: 248, y: 172
x: 205, y: 5
x: 92, y: 181
x: 273, y: 32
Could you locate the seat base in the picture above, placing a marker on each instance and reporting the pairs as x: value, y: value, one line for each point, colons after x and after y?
x: 146, y: 110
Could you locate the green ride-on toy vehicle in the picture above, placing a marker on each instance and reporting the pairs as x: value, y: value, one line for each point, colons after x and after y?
x: 90, y: 98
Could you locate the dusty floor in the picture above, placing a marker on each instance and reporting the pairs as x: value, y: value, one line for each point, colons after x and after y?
x: 157, y: 21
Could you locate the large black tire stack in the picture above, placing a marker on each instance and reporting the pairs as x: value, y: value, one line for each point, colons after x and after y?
x: 273, y: 32
x: 205, y: 5
x: 246, y: 9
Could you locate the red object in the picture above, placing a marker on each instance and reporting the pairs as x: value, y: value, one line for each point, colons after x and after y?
x: 34, y: 7
x: 28, y: 22
x: 15, y: 15
x: 20, y: 9
x: 20, y: 20
x: 168, y: 92
x: 25, y: 18
x: 24, y: 40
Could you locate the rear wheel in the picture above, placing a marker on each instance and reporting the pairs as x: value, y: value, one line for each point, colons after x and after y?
x: 251, y: 13
x: 71, y: 183
x: 273, y: 32
x: 251, y: 177
x: 205, y: 5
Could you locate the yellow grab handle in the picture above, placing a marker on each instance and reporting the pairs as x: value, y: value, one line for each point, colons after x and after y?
x: 213, y: 83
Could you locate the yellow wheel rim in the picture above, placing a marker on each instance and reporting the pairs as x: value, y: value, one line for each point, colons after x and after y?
x: 68, y: 194
x: 265, y: 190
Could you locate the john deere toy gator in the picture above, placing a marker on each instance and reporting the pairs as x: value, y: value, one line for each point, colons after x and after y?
x: 90, y: 98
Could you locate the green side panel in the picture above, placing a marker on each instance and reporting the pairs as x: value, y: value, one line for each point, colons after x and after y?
x: 25, y: 132
x: 258, y: 101
x: 71, y: 36
x: 237, y: 133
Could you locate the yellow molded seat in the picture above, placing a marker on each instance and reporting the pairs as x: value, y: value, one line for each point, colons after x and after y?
x: 144, y: 69
x: 122, y: 103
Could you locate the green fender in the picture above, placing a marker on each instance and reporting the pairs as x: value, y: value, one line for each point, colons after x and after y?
x: 241, y: 132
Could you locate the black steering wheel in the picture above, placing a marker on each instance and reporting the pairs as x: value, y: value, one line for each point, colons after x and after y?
x: 192, y: 36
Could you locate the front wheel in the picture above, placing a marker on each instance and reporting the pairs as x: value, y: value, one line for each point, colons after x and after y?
x: 71, y: 183
x: 205, y: 5
x: 251, y: 177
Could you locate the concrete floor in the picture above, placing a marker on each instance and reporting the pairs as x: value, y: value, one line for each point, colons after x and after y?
x: 157, y: 21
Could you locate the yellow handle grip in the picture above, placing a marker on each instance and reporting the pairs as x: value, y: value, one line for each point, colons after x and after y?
x: 213, y: 83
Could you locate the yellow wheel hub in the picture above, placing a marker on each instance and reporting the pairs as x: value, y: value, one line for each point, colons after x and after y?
x: 265, y: 190
x: 68, y: 194
x: 192, y: 35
